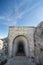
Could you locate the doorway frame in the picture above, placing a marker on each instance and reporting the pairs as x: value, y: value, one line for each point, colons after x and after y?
x: 15, y: 45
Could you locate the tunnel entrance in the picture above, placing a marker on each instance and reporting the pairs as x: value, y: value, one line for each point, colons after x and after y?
x: 20, y: 50
x: 20, y: 46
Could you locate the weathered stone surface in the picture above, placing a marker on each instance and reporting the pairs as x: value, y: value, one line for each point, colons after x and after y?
x: 39, y: 43
x: 32, y: 39
x: 27, y: 32
x: 20, y: 61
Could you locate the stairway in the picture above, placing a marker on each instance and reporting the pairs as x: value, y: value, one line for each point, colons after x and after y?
x: 20, y: 60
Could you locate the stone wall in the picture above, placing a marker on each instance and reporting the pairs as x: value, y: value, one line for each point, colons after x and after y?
x: 28, y: 32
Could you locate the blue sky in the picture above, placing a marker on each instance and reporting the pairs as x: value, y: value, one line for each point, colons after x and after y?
x: 19, y: 13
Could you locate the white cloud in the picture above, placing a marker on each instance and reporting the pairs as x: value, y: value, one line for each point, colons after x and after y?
x: 13, y: 18
x: 2, y: 36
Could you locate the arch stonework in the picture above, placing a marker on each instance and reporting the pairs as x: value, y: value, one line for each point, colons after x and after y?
x: 26, y: 34
x: 15, y: 45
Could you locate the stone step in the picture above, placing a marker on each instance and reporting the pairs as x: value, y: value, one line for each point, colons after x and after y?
x: 20, y: 60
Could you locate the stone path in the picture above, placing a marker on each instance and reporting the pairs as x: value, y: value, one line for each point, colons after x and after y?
x: 20, y: 60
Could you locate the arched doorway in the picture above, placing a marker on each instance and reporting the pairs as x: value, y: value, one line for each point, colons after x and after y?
x: 20, y: 50
x: 20, y: 46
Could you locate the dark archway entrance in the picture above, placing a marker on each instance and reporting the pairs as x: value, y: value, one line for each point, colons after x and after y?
x: 20, y: 46
x: 20, y: 50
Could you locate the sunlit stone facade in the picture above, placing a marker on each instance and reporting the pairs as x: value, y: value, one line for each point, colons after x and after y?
x: 25, y: 34
x: 25, y: 41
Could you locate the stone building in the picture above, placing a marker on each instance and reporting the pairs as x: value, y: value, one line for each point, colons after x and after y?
x: 22, y: 37
x: 25, y: 41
